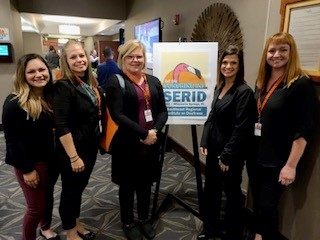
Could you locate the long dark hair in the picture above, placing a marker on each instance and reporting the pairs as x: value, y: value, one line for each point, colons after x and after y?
x: 232, y: 50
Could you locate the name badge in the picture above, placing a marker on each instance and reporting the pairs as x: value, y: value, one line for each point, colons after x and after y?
x: 148, y: 115
x: 257, y: 129
x: 100, y: 126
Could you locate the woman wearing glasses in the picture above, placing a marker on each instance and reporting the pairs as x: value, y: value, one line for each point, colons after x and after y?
x: 140, y: 111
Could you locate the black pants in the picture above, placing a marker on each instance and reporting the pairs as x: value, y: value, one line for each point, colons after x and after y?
x: 126, y: 199
x: 73, y: 185
x: 229, y: 182
x: 53, y: 175
x: 266, y: 201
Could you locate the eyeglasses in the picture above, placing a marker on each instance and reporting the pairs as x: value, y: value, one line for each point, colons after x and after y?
x: 137, y: 57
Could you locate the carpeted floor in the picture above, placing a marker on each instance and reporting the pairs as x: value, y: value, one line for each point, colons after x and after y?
x: 100, y: 208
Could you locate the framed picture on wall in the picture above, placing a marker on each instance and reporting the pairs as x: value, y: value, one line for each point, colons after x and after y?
x: 301, y: 18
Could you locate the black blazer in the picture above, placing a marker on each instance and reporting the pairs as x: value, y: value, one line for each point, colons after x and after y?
x: 75, y: 113
x: 230, y: 124
x: 124, y: 110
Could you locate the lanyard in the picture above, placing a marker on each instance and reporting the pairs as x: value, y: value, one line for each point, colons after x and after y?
x: 260, y: 105
x: 95, y: 93
x: 145, y: 89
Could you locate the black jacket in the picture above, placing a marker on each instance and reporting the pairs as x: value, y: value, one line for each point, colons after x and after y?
x: 28, y: 141
x: 229, y: 128
x: 288, y: 115
x: 126, y: 144
x: 75, y: 113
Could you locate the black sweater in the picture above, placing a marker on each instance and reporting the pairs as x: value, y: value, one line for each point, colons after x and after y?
x: 27, y: 141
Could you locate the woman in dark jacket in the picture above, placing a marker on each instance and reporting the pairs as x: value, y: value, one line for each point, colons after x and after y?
x: 28, y: 127
x: 225, y: 142
x: 77, y: 110
x: 140, y: 111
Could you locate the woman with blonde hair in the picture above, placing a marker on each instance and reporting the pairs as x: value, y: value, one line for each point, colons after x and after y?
x: 139, y: 109
x: 28, y: 128
x: 77, y: 111
x: 285, y: 101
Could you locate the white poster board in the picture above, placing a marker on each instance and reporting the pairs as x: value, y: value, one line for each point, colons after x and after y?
x: 188, y: 73
x: 4, y: 34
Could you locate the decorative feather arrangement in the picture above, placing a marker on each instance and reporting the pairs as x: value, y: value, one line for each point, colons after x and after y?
x: 218, y: 23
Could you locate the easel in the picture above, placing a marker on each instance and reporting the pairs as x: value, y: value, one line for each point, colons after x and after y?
x: 170, y: 198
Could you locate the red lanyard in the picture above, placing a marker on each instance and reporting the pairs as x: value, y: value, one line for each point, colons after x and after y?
x: 260, y: 105
x: 146, y: 92
x: 145, y: 89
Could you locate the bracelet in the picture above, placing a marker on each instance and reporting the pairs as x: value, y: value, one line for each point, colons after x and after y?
x: 75, y: 160
x: 74, y: 156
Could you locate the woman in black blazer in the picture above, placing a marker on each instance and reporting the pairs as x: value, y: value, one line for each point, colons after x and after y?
x: 77, y: 111
x: 225, y: 141
x: 140, y: 111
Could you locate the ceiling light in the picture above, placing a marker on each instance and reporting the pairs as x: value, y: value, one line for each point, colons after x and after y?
x: 70, y: 20
x: 27, y: 28
x: 69, y: 29
x: 62, y: 40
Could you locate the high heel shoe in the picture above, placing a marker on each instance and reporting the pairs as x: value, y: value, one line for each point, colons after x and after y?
x: 57, y: 237
x: 87, y: 236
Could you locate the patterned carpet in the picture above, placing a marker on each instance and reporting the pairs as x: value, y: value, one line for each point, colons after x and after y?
x: 100, y: 208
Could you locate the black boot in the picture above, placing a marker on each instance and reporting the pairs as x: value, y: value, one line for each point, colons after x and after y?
x: 147, y: 229
x: 132, y: 231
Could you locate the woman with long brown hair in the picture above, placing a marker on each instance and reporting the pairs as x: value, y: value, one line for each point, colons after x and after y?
x: 28, y: 128
x: 226, y: 138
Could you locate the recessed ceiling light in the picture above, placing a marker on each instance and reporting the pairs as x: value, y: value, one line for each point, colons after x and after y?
x: 69, y: 29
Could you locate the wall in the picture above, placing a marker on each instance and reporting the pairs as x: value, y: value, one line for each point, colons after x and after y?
x: 93, y: 8
x: 255, y: 25
x: 9, y: 18
x: 32, y: 43
x: 88, y: 44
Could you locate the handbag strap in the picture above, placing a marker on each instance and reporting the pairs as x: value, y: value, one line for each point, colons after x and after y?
x: 121, y: 82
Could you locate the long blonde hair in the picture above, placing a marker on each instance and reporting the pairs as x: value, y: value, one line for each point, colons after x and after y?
x: 293, y: 69
x: 28, y: 100
x: 66, y: 71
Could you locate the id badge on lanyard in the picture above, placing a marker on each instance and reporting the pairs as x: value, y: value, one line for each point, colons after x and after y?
x: 148, y: 115
x: 261, y: 105
x: 257, y: 129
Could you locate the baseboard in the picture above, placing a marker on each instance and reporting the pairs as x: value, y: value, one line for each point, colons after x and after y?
x: 183, y: 152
